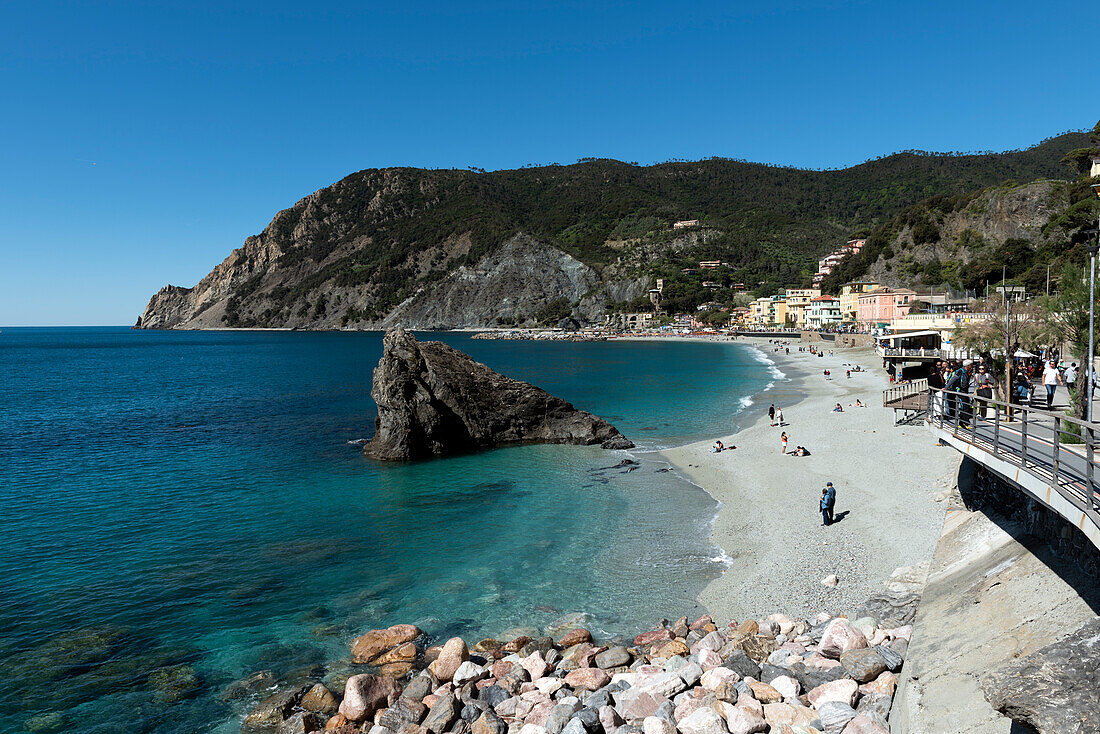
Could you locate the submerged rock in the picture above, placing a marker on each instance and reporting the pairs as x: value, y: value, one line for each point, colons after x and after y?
x: 434, y: 400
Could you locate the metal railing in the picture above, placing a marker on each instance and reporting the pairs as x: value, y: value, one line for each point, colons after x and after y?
x: 1052, y: 447
x: 919, y: 352
x: 898, y: 393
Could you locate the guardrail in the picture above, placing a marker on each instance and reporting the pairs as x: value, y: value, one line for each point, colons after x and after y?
x: 899, y: 393
x: 1050, y: 455
x: 899, y: 352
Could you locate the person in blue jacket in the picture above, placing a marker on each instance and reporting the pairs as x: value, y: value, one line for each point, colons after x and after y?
x: 828, y: 501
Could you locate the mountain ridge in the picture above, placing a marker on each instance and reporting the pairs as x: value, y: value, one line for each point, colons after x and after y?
x: 353, y: 254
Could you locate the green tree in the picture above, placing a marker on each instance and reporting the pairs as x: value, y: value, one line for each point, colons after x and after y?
x: 1067, y: 313
x: 1023, y: 324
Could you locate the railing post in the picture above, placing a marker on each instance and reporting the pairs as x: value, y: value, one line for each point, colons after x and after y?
x: 996, y: 427
x: 1089, y: 449
x: 1057, y: 448
x: 1023, y: 436
x: 958, y: 411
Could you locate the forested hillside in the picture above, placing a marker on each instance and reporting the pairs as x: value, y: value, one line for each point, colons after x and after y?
x: 380, y: 242
x: 1020, y: 231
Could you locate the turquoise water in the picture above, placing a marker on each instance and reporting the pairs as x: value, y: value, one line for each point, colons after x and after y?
x: 191, y: 499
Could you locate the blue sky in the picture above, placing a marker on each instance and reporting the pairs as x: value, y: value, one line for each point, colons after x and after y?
x: 141, y: 142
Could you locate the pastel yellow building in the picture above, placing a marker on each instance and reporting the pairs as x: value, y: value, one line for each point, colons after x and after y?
x: 797, y: 301
x: 849, y: 297
x: 779, y: 310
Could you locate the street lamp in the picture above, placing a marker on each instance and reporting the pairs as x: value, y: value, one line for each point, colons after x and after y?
x: 1093, y: 247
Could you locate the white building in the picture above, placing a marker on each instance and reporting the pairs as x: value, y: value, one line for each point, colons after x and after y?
x: 823, y: 312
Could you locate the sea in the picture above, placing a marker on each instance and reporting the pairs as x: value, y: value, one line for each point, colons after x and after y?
x: 183, y: 509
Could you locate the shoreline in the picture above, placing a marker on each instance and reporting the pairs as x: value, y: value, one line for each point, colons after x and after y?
x: 768, y: 522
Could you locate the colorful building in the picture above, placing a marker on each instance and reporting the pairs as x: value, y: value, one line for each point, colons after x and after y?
x: 849, y: 297
x: 797, y: 301
x: 877, y: 308
x: 823, y: 312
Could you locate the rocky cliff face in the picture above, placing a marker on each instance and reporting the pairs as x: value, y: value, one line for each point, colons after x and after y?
x: 987, y: 222
x: 434, y: 400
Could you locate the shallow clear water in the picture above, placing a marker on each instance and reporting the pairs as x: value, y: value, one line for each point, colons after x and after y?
x: 191, y: 498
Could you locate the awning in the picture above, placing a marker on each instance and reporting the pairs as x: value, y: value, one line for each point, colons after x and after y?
x: 907, y: 334
x: 1022, y: 353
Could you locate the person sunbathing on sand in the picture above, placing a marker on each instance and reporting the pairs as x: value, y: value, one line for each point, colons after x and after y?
x: 857, y: 404
x: 838, y: 409
x: 801, y: 451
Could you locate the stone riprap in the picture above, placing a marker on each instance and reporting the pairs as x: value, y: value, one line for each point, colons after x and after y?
x: 830, y: 675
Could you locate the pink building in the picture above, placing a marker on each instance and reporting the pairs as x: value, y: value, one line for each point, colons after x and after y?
x: 882, y: 305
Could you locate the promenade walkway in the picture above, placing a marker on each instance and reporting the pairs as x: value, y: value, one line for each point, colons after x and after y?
x: 1050, y: 456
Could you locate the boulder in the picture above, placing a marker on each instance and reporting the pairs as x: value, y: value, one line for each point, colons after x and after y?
x: 453, y: 655
x: 535, y: 665
x: 433, y: 400
x: 467, y: 672
x: 864, y: 725
x: 835, y: 715
x: 657, y: 725
x: 886, y: 683
x: 863, y: 664
x: 403, y: 653
x: 403, y: 712
x: 844, y: 690
x: 636, y: 703
x: 787, y: 686
x: 302, y: 722
x: 714, y: 677
x: 273, y: 710
x: 320, y: 700
x: 777, y: 714
x: 589, y: 679
x: 1054, y: 689
x: 704, y: 721
x: 488, y: 723
x: 762, y: 692
x: 365, y: 693
x: 653, y: 636
x: 575, y: 637
x: 740, y: 720
x: 365, y: 648
x: 610, y: 719
x: 441, y: 715
x: 613, y: 657
x: 839, y: 637
x: 742, y: 664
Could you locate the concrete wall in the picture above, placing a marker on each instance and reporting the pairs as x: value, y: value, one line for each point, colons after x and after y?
x: 995, y: 592
x: 854, y: 340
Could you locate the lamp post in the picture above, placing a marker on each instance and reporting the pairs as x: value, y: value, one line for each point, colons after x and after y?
x: 1093, y: 248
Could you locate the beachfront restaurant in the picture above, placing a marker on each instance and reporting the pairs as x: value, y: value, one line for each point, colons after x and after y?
x: 910, y: 355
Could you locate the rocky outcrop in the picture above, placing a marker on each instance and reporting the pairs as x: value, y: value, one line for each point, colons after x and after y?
x: 506, y: 286
x: 1055, y: 689
x: 434, y: 400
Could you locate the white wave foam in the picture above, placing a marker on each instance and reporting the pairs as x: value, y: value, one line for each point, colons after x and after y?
x: 745, y: 402
x: 761, y: 356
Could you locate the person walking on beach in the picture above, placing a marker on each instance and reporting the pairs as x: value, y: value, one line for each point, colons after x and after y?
x: 778, y: 416
x: 771, y: 413
x: 828, y: 502
x: 783, y: 439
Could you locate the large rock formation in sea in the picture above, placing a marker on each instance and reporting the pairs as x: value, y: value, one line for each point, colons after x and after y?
x: 433, y: 400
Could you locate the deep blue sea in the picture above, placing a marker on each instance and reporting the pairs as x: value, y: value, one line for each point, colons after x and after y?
x: 181, y: 509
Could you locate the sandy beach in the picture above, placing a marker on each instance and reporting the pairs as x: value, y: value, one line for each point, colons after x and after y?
x: 887, y: 478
